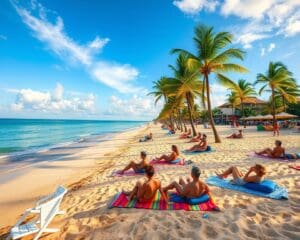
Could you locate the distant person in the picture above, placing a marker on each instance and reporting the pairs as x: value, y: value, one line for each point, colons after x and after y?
x: 197, y: 138
x: 277, y: 152
x: 147, y: 138
x: 200, y: 147
x: 145, y: 191
x: 171, y: 157
x: 255, y: 174
x: 276, y: 129
x: 186, y: 134
x: 137, y: 167
x: 191, y: 188
x: 237, y: 135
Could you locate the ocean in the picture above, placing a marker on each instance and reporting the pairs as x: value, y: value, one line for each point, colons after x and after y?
x: 19, y: 136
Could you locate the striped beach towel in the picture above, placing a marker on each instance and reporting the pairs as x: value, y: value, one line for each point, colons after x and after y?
x: 121, y: 201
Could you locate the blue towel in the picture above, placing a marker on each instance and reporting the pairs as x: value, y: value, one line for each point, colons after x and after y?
x: 279, y: 192
x: 192, y: 201
x: 209, y: 149
x: 178, y: 160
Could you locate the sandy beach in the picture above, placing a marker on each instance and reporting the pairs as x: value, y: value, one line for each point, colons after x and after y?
x: 242, y: 216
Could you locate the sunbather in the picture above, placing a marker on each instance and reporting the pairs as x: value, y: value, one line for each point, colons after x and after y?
x: 147, y: 138
x: 171, y: 157
x: 137, y: 167
x: 186, y: 134
x: 147, y: 190
x: 197, y: 138
x: 191, y: 188
x: 237, y: 135
x: 240, y: 179
x: 200, y: 147
x: 277, y: 152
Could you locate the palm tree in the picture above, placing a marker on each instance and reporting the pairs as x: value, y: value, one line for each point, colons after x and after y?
x: 242, y: 90
x: 213, y: 56
x: 277, y: 79
x: 232, y: 100
x: 185, y: 84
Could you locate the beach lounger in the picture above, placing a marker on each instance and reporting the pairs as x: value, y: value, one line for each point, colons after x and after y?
x: 278, y: 193
x: 45, y: 209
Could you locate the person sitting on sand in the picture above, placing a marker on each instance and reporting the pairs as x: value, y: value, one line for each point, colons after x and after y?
x: 171, y: 157
x: 147, y: 190
x: 147, y: 138
x: 277, y: 152
x: 237, y: 135
x: 186, y: 134
x: 191, y: 188
x: 200, y: 147
x: 197, y: 138
x: 239, y: 178
x: 137, y: 167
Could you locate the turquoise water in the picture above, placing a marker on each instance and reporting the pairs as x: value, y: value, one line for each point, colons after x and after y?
x: 19, y: 135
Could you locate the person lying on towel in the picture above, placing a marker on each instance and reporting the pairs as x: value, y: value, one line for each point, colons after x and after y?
x: 277, y: 152
x: 191, y: 188
x: 171, y: 157
x: 145, y: 191
x: 147, y: 138
x: 255, y: 174
x: 197, y: 138
x: 186, y: 134
x: 200, y: 147
x: 237, y: 135
x: 137, y: 167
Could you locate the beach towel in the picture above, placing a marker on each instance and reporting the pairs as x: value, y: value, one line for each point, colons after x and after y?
x: 279, y: 192
x: 178, y: 161
x: 295, y: 167
x: 121, y: 201
x: 127, y: 173
x: 208, y: 150
x: 253, y: 154
x: 290, y: 156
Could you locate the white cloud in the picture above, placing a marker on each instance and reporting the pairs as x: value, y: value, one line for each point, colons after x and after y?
x: 247, y: 38
x: 271, y: 47
x: 293, y: 25
x: 136, y: 107
x: 115, y: 75
x: 55, y: 102
x: 218, y: 94
x: 195, y: 6
x: 246, y: 8
x: 262, y: 52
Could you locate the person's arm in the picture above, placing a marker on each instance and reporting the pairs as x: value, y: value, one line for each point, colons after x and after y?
x: 184, y: 191
x: 162, y: 193
x: 248, y: 178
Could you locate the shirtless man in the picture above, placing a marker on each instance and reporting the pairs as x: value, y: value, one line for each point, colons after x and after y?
x: 147, y: 190
x: 277, y: 151
x: 190, y: 188
x: 171, y: 157
x: 240, y: 179
x: 147, y: 138
x: 237, y: 135
x: 197, y: 138
x: 200, y: 147
x: 137, y: 167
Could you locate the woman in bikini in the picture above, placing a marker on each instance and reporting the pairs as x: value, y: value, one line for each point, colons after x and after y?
x: 171, y: 157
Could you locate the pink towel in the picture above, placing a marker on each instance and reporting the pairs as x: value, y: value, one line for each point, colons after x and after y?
x: 253, y: 154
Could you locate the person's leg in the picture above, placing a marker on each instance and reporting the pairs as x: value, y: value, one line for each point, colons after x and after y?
x: 135, y: 190
x: 162, y: 157
x: 226, y: 173
x: 265, y: 151
x: 130, y: 165
x: 236, y: 174
x: 182, y: 181
x: 171, y: 186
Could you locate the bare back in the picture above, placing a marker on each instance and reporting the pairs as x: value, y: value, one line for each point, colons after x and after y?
x: 149, y: 189
x: 195, y: 189
x: 278, y: 152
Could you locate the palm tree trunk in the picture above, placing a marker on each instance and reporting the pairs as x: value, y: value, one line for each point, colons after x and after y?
x: 273, y: 107
x: 188, y: 100
x: 243, y: 113
x: 180, y: 120
x: 212, y: 122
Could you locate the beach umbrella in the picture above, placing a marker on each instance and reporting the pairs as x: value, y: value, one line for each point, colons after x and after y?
x: 284, y: 115
x: 268, y: 117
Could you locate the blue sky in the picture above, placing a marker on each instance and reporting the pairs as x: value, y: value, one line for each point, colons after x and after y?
x: 97, y: 59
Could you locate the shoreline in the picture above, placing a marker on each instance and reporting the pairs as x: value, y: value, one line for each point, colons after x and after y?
x: 29, y: 176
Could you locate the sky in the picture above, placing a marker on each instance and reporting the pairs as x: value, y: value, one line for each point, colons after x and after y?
x: 98, y: 59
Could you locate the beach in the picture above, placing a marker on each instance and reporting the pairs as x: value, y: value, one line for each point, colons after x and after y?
x: 92, y: 188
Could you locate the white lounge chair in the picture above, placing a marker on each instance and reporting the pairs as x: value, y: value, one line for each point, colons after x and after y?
x: 46, y: 209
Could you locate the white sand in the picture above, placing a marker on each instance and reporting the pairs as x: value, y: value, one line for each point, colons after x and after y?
x: 243, y: 216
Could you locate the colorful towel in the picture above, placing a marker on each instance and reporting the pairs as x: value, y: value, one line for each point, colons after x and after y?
x: 121, y: 201
x: 279, y: 192
x: 127, y: 173
x: 295, y: 167
x: 253, y: 154
x: 291, y: 156
x: 209, y: 149
x: 179, y: 161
